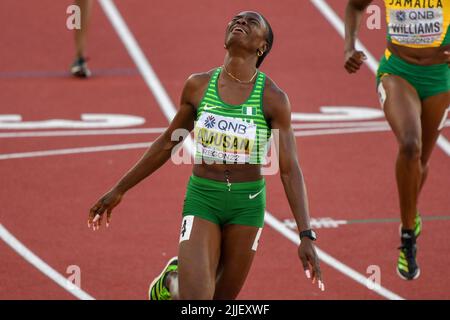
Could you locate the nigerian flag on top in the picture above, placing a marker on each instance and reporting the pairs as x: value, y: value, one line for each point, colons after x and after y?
x: 249, y: 111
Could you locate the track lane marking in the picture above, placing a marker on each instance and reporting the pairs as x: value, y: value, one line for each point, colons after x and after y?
x: 45, y: 153
x: 39, y: 264
x: 328, y: 259
x: 69, y: 133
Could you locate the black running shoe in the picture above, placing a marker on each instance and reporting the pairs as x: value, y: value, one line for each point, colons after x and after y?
x: 80, y: 69
x: 407, y: 267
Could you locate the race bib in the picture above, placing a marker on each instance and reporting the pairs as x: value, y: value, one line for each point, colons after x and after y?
x: 422, y: 26
x: 224, y: 138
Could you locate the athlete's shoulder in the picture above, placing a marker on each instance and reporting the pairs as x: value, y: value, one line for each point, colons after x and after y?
x: 274, y: 95
x: 199, y: 79
x: 276, y: 103
x: 195, y: 86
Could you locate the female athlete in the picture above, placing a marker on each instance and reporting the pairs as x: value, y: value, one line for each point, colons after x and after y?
x: 413, y: 82
x: 232, y: 110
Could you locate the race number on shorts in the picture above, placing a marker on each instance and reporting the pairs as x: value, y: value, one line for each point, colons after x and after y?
x: 381, y: 94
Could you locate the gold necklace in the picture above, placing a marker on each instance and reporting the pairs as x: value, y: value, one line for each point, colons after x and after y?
x: 238, y: 80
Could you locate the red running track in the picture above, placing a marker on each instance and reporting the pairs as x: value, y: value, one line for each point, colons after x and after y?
x: 45, y: 199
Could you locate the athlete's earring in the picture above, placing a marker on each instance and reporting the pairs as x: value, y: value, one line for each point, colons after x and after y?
x: 259, y: 53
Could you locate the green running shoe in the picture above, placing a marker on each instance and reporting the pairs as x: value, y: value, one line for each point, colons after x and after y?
x: 407, y: 267
x: 157, y: 289
x: 417, y: 225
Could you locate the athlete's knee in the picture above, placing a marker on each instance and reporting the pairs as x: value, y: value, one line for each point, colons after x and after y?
x: 196, y: 288
x: 410, y: 147
x: 198, y: 293
x: 195, y: 296
x: 226, y: 294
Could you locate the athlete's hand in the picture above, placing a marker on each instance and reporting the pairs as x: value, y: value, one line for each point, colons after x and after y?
x: 447, y: 57
x: 105, y: 203
x: 308, y: 256
x: 353, y: 60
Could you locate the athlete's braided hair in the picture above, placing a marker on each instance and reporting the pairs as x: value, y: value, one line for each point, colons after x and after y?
x: 269, y: 39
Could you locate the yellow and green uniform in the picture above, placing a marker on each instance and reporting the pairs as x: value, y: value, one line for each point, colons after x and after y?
x: 229, y: 134
x: 417, y: 24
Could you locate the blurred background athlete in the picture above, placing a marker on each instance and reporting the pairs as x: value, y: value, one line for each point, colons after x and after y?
x: 79, y: 67
x: 413, y: 82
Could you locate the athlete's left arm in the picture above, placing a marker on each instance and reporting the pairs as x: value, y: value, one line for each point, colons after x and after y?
x: 278, y: 111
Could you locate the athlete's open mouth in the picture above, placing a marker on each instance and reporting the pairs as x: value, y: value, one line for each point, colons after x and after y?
x: 239, y: 29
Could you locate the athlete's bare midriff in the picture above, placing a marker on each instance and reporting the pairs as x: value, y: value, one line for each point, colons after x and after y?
x: 234, y: 172
x: 422, y: 56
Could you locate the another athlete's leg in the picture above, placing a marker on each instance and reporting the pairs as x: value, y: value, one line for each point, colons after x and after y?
x: 81, y: 34
x: 238, y: 249
x: 433, y: 111
x: 79, y: 67
x: 198, y: 259
x: 403, y: 110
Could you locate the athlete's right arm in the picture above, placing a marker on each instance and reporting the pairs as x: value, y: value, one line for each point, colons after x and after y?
x: 156, y: 155
x: 353, y: 15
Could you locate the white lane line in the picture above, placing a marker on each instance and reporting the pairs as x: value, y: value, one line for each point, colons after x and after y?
x: 144, y: 67
x: 169, y: 110
x: 57, y: 152
x: 68, y: 133
x: 23, y: 251
x: 372, y: 63
x: 326, y: 258
x: 444, y: 144
x: 150, y: 77
x: 334, y: 125
x: 143, y: 145
x: 332, y: 128
x: 309, y: 133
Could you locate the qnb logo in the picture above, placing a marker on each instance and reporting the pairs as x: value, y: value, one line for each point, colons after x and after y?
x: 210, y: 122
x: 401, y: 15
x: 230, y: 126
x: 74, y: 278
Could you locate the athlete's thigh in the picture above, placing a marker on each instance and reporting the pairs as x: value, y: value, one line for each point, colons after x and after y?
x: 239, y: 245
x: 433, y: 112
x: 402, y: 108
x: 198, y: 257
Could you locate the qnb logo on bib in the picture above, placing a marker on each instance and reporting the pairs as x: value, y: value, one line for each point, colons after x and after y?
x: 226, y: 124
x: 210, y: 122
x: 422, y: 26
x: 400, y: 15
